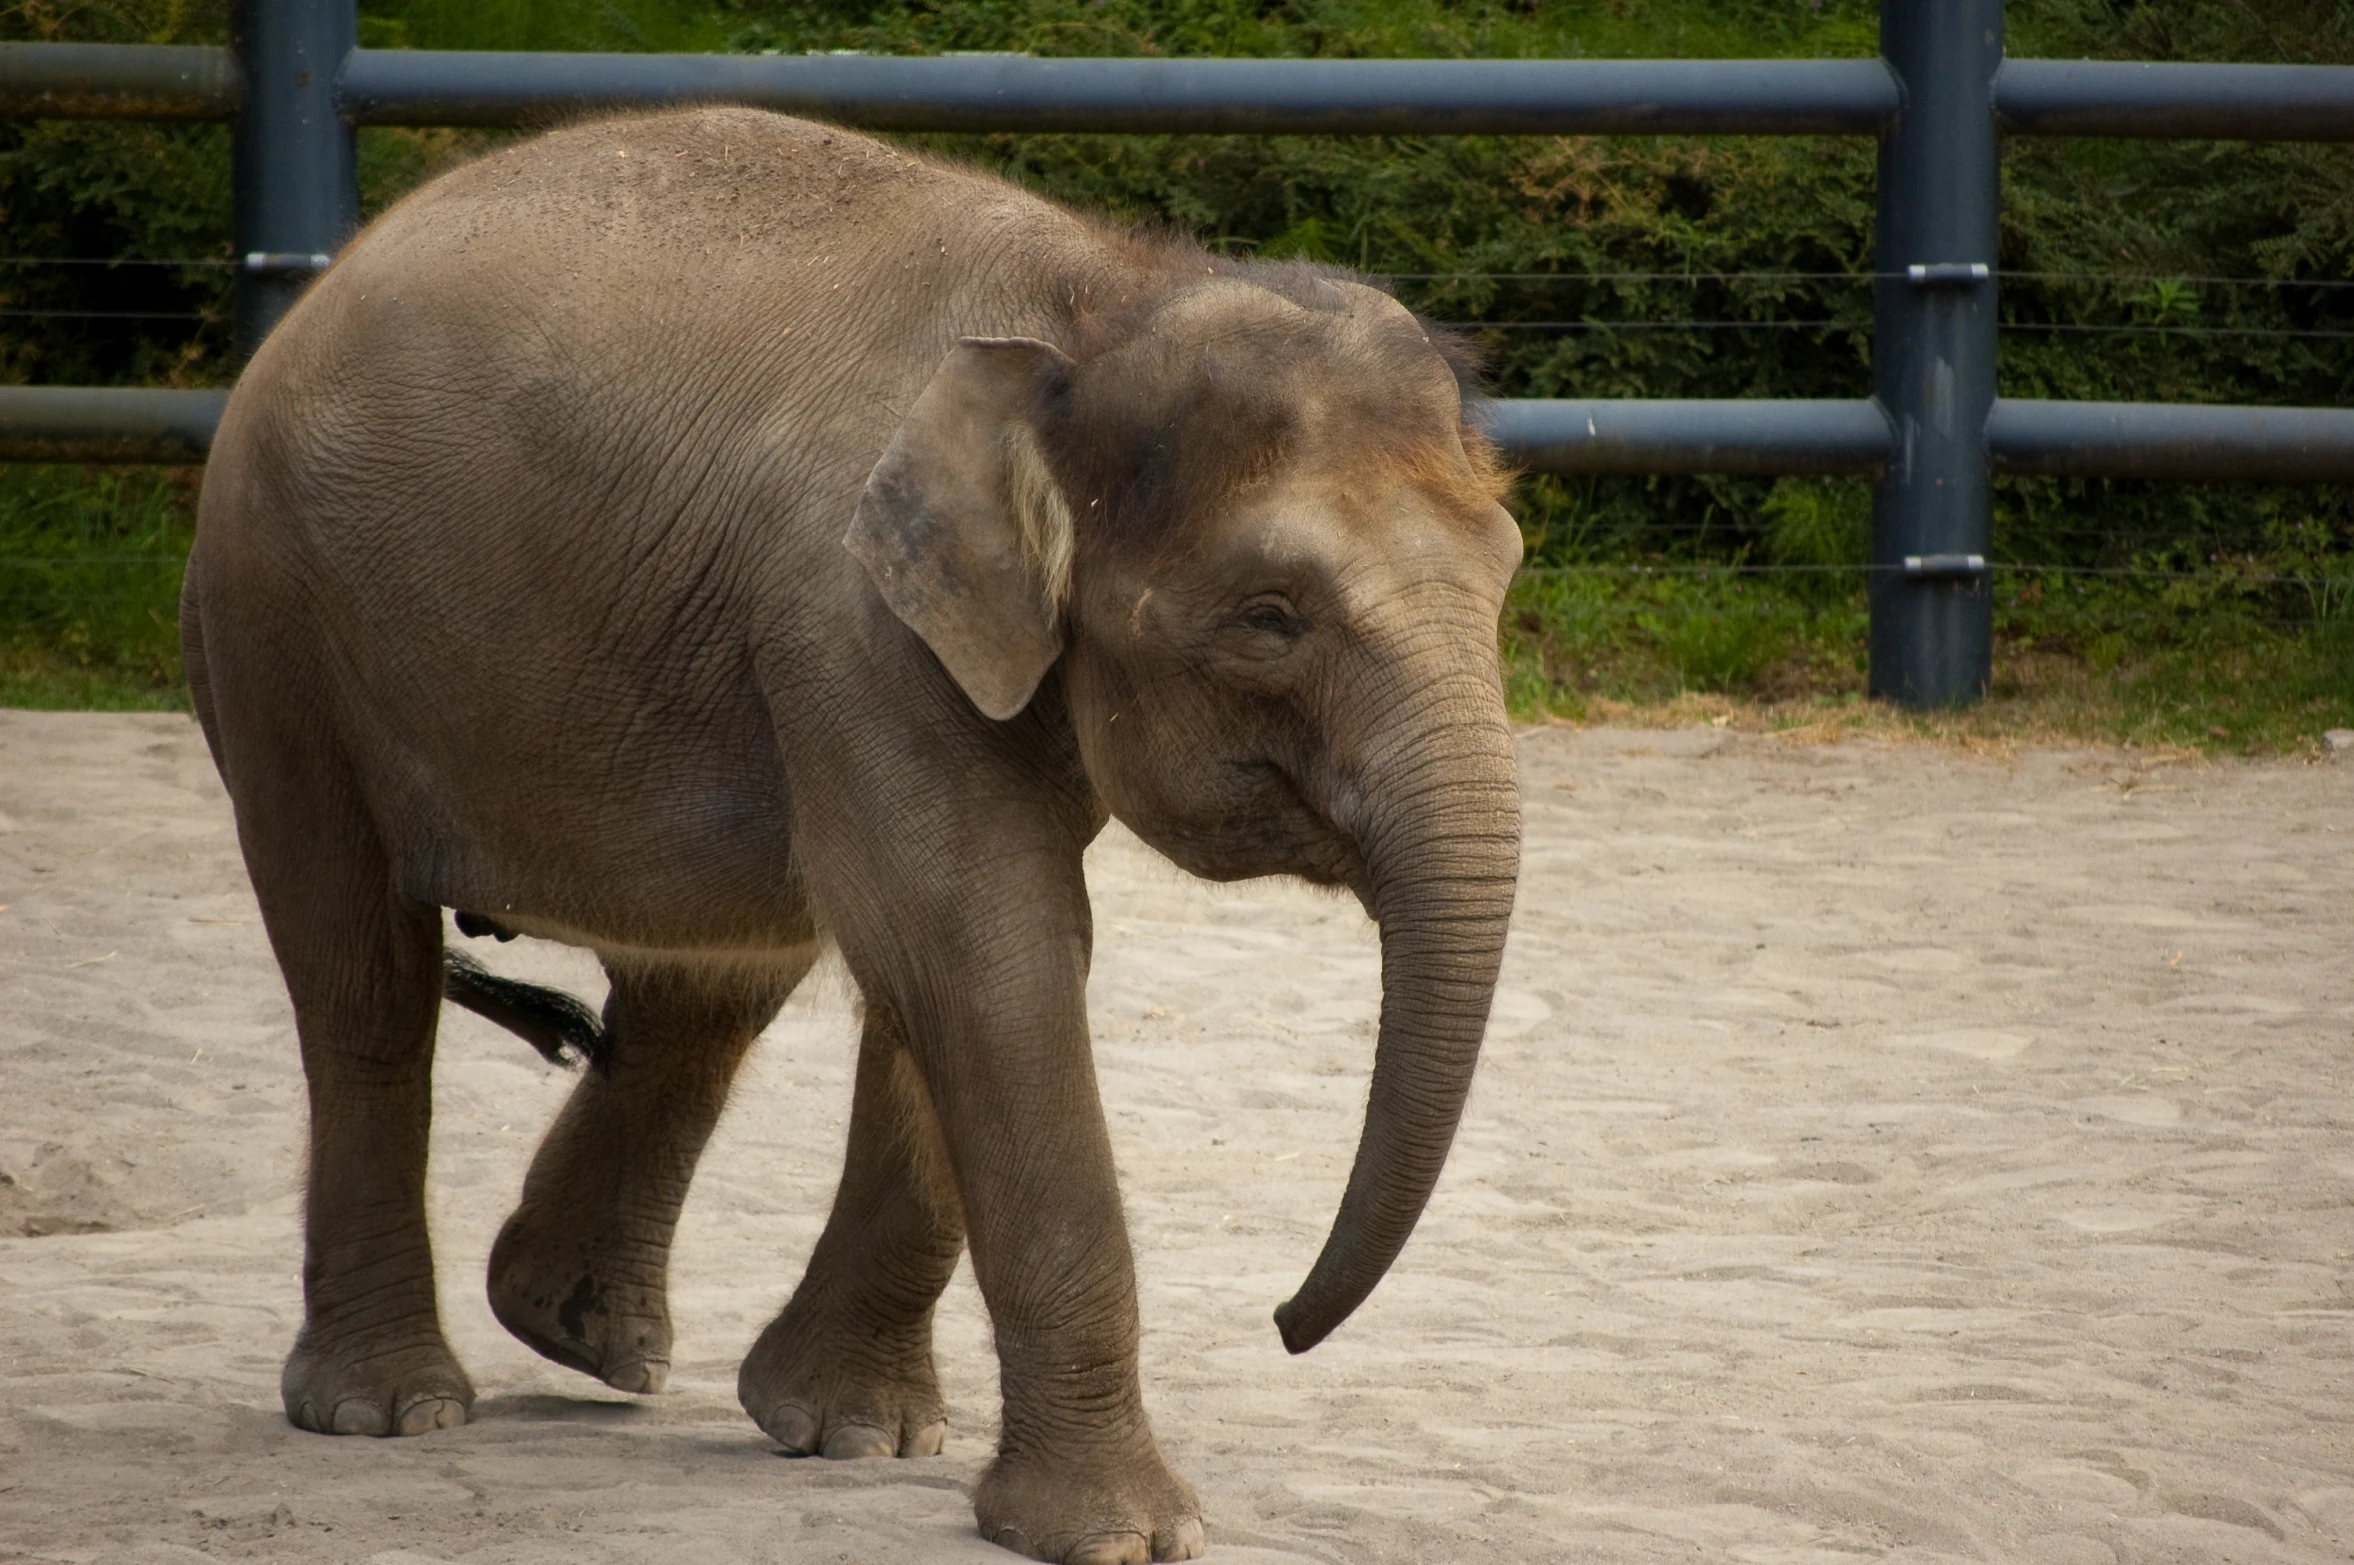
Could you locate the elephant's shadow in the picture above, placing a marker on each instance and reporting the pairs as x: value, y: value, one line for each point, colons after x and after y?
x: 541, y: 1407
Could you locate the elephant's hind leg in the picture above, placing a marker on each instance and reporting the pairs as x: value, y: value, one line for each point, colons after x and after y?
x: 363, y: 968
x: 581, y: 1271
x: 847, y: 1369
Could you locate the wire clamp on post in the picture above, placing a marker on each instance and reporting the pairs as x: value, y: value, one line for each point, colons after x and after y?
x: 1948, y: 274
x: 1945, y: 567
x: 285, y: 263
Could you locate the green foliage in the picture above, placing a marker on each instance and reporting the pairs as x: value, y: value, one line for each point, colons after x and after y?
x: 1721, y: 646
x: 637, y: 26
x: 1629, y: 236
x: 1640, y: 634
x: 90, y: 189
x: 2201, y: 661
x: 90, y: 564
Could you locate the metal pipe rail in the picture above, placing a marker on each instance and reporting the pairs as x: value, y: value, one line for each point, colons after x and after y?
x: 1257, y: 97
x: 119, y: 81
x: 1938, y: 99
x: 2055, y: 439
x: 986, y: 92
x: 2175, y: 100
x: 2171, y: 440
x: 2024, y: 436
x: 107, y: 424
x: 1715, y: 436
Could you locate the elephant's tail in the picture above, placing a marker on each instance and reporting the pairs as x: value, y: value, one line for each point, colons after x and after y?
x: 551, y: 1021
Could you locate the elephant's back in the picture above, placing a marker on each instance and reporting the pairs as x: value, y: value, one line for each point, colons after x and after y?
x: 623, y: 355
x: 642, y: 285
x: 592, y: 391
x: 541, y: 469
x: 620, y: 363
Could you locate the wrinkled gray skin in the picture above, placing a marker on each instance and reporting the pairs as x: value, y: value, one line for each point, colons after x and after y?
x: 692, y: 537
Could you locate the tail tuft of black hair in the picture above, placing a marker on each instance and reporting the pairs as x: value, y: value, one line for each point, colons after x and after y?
x: 564, y: 1030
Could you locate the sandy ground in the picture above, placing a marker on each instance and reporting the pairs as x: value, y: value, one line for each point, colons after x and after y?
x: 1880, y: 1152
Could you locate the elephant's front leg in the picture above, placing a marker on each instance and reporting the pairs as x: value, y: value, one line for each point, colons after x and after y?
x: 847, y: 1369
x: 1078, y: 1474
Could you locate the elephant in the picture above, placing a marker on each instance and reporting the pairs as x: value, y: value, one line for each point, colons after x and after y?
x: 710, y: 537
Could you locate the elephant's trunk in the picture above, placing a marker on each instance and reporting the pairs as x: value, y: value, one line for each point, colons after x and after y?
x: 1440, y: 838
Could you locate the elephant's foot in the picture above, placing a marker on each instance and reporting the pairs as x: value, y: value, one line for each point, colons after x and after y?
x: 380, y: 1384
x: 826, y: 1389
x: 588, y: 1304
x: 1090, y: 1510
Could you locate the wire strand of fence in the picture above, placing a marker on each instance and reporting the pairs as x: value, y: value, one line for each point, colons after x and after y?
x: 1625, y: 277
x: 1751, y: 275
x: 2178, y: 331
x: 1865, y: 326
x: 1864, y: 277
x: 1825, y: 325
x: 1638, y: 568
x: 1754, y: 533
x: 117, y: 260
x: 107, y: 315
x: 1765, y: 568
x: 2119, y: 328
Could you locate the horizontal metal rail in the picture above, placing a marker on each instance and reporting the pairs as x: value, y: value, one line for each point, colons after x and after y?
x: 1721, y: 436
x: 2057, y: 439
x: 107, y: 424
x: 118, y: 81
x: 84, y: 424
x: 2178, y: 101
x: 2171, y: 440
x: 999, y: 92
x: 1298, y: 97
x: 1255, y: 97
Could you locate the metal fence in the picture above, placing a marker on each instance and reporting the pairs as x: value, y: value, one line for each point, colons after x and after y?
x: 1939, y: 99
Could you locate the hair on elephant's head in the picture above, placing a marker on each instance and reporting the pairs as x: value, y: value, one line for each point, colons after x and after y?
x: 1249, y: 522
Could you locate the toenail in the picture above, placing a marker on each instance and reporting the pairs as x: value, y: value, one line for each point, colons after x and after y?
x: 792, y: 1427
x: 428, y: 1413
x: 850, y: 1442
x: 1185, y: 1543
x: 927, y: 1441
x: 358, y: 1416
x: 645, y: 1377
x: 1110, y: 1548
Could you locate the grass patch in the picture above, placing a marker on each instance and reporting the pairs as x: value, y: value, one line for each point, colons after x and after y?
x: 1651, y: 648
x: 2237, y: 641
x: 1653, y: 633
x: 90, y: 566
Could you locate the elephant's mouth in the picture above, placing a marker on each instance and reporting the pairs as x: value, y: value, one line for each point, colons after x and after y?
x: 1264, y: 824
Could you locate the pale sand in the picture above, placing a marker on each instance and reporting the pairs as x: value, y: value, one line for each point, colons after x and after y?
x: 1880, y: 1152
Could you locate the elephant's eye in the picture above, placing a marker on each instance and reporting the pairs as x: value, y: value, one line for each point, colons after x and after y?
x: 1272, y: 616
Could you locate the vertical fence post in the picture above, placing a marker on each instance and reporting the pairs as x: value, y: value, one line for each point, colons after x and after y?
x: 1933, y: 346
x: 295, y: 164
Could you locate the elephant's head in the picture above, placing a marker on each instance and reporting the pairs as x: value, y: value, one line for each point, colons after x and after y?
x: 1249, y: 523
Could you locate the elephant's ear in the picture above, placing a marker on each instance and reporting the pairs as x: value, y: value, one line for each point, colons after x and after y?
x: 962, y: 526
